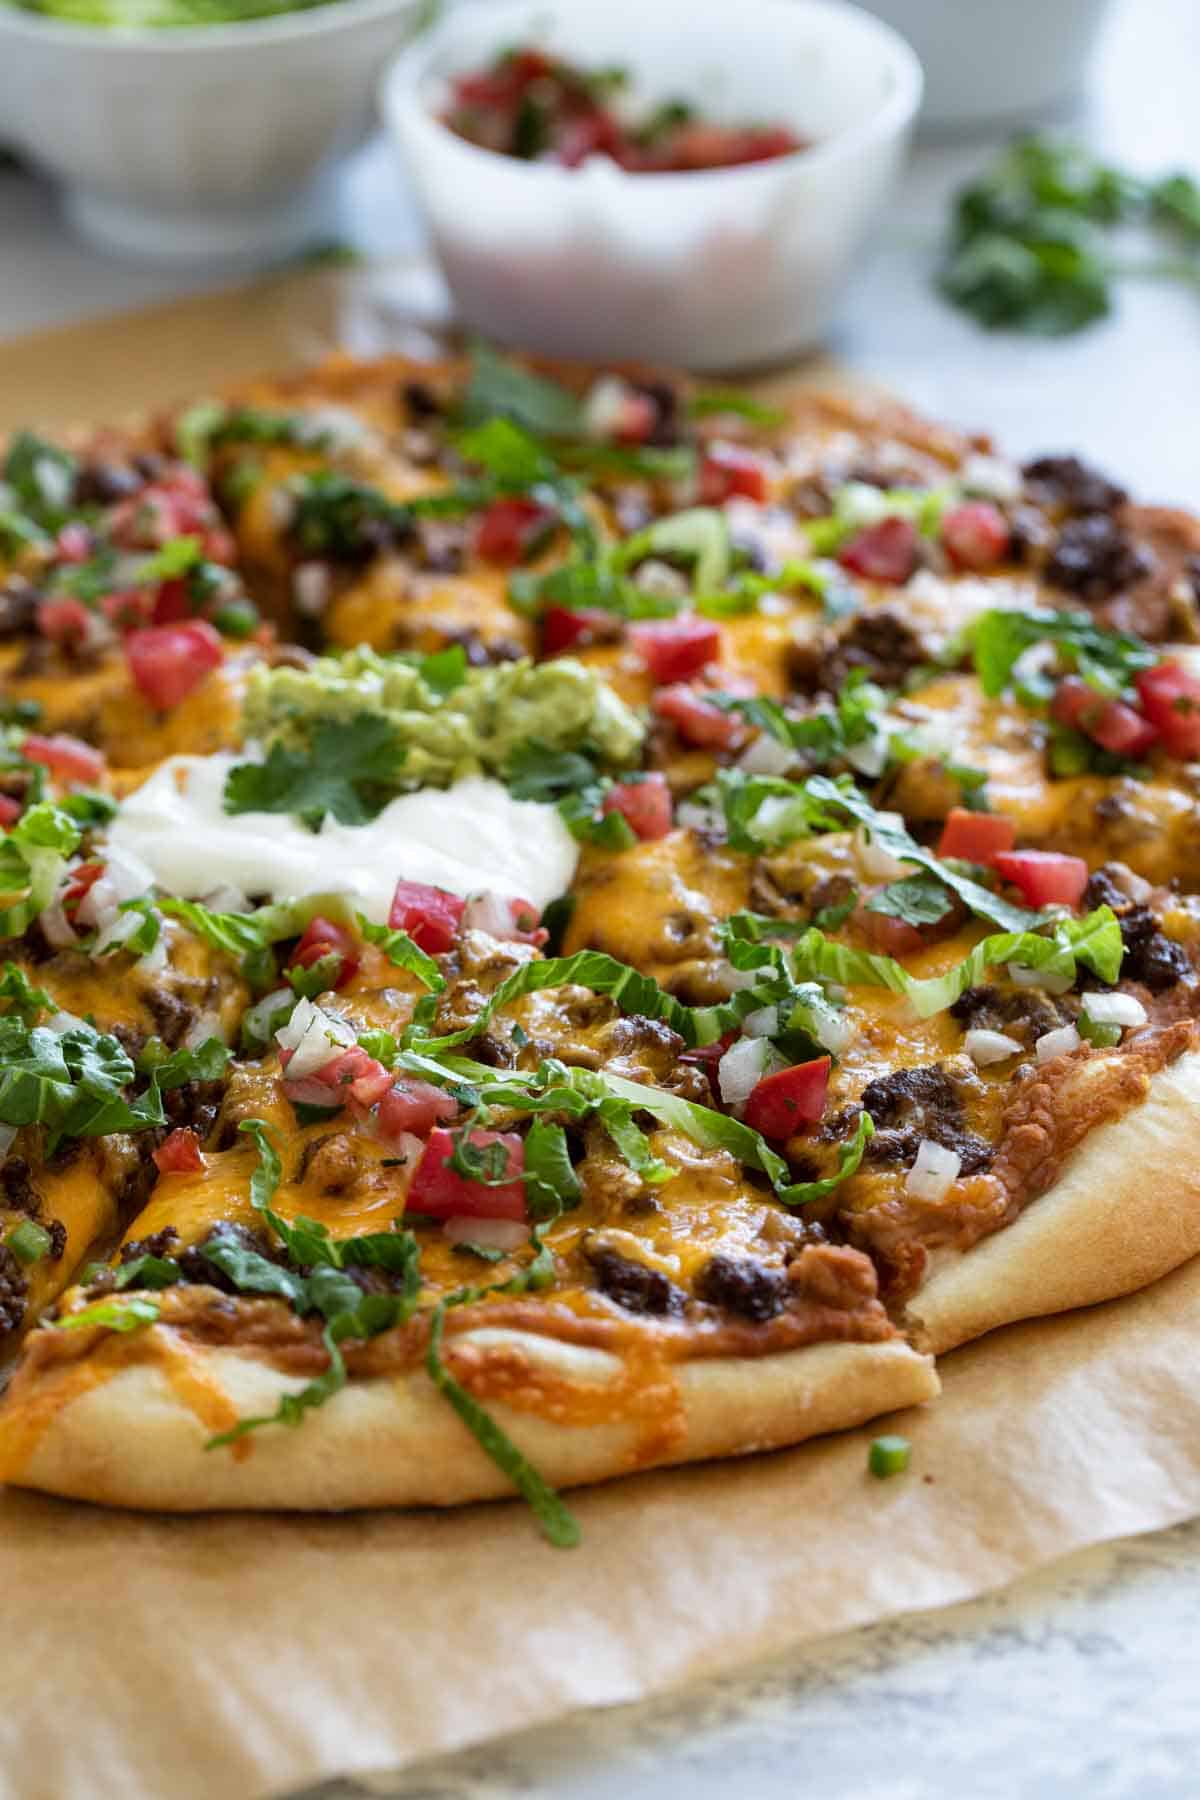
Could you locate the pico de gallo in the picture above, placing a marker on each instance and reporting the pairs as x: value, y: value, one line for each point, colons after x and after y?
x: 540, y: 108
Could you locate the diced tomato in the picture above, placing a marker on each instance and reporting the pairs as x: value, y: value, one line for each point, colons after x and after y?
x: 357, y: 1074
x: 676, y: 649
x: 575, y: 627
x: 591, y: 134
x: 783, y: 1102
x: 64, y: 620
x: 702, y: 144
x: 322, y: 937
x: 1170, y: 697
x: 883, y: 552
x: 83, y: 879
x: 975, y: 535
x: 1122, y: 730
x: 127, y: 608
x: 171, y: 603
x: 1074, y: 702
x: 179, y: 1154
x: 727, y: 470
x: 10, y: 811
x: 504, y: 82
x: 168, y: 662
x: 1112, y: 724
x: 73, y: 543
x: 885, y: 932
x: 414, y: 1106
x: 527, y: 927
x: 698, y: 721
x: 67, y: 758
x: 443, y: 1193
x: 1045, y: 877
x: 430, y: 915
x: 178, y: 505
x: 975, y: 836
x: 509, y: 529
x: 645, y: 805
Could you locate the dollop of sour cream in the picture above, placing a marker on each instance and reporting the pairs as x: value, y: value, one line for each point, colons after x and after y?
x: 469, y: 838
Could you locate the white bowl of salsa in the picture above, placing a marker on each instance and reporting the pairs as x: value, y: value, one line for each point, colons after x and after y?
x: 570, y: 252
x: 179, y: 141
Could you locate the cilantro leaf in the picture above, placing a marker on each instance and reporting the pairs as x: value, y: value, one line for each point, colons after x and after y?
x: 498, y: 388
x: 917, y: 900
x: 350, y: 770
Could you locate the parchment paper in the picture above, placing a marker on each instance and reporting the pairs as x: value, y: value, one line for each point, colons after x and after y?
x: 239, y: 1656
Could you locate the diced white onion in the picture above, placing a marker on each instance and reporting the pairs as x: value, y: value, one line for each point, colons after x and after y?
x: 314, y: 1036
x: 310, y: 587
x: 7, y: 1134
x: 403, y: 1146
x: 155, y: 959
x: 130, y: 876
x: 858, y: 504
x: 869, y: 757
x: 659, y: 578
x: 259, y: 1016
x: 56, y: 929
x: 990, y: 477
x: 227, y: 899
x: 490, y: 913
x: 743, y: 1066
x: 875, y: 861
x: 1115, y: 1009
x: 1039, y: 978
x: 762, y: 1024
x: 120, y: 927
x: 604, y: 407
x: 834, y: 1031
x: 984, y: 1047
x: 1057, y: 1043
x: 693, y: 815
x: 98, y: 907
x: 53, y: 481
x: 493, y: 1234
x: 61, y: 1022
x: 933, y: 1171
x: 206, y: 1025
x: 281, y: 505
x: 766, y: 756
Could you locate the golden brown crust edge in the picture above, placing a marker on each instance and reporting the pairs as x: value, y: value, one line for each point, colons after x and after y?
x: 132, y: 1441
x: 1124, y: 1211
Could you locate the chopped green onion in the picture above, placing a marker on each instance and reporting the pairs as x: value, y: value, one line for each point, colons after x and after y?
x: 888, y: 1456
x: 29, y: 1241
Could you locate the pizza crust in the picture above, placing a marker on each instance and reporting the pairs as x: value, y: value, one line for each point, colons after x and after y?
x: 132, y: 1441
x: 1125, y: 1211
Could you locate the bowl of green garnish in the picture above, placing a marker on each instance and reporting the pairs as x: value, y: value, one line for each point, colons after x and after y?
x: 194, y: 130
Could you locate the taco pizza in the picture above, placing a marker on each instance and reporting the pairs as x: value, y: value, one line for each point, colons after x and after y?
x: 557, y: 921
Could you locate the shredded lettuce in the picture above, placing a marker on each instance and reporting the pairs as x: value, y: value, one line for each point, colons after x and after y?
x: 1094, y: 941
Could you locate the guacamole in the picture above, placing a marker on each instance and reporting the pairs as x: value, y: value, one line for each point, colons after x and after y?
x: 142, y: 15
x: 468, y: 727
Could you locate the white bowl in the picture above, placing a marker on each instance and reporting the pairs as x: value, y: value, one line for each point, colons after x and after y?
x: 715, y: 269
x: 988, y: 60
x: 206, y: 143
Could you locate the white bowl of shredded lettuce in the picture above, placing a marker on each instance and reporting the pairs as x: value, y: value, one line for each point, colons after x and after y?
x: 194, y: 130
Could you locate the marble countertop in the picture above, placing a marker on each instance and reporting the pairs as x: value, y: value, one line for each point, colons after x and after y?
x: 1083, y: 1678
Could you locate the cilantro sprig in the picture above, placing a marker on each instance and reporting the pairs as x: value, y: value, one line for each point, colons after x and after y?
x: 1029, y: 245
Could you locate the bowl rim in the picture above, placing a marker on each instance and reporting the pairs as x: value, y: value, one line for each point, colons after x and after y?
x: 311, y: 22
x: 401, y: 104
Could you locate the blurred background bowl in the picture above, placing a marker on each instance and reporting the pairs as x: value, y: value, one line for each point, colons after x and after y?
x: 198, y: 144
x: 712, y: 269
x: 989, y: 61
